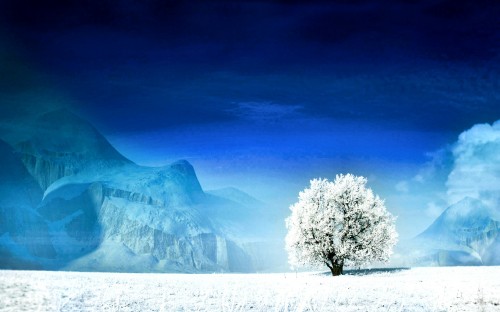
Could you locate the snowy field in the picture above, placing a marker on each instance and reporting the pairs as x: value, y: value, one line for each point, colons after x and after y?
x: 420, y: 289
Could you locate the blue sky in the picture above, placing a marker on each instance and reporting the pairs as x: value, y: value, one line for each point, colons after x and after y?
x: 265, y: 95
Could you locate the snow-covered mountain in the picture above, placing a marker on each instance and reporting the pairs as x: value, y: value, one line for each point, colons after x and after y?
x: 23, y: 233
x: 262, y: 237
x: 71, y: 201
x: 236, y: 196
x: 466, y: 233
x: 61, y: 144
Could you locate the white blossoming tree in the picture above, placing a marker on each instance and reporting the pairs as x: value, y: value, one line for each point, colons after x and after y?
x: 339, y: 223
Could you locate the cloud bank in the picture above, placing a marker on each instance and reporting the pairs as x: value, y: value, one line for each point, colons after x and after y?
x: 476, y: 168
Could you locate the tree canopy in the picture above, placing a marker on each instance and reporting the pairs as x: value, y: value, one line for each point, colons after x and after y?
x: 339, y: 223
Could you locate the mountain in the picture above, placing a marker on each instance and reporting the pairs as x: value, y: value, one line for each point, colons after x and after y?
x: 259, y: 228
x: 466, y: 233
x: 93, y: 209
x: 236, y: 196
x: 62, y: 144
x: 24, y: 236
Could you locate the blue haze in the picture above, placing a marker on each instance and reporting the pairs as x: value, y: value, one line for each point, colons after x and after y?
x: 264, y: 96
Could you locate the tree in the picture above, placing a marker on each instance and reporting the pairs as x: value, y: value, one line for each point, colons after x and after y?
x: 339, y: 223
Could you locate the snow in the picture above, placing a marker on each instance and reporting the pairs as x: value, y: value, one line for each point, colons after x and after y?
x: 419, y: 289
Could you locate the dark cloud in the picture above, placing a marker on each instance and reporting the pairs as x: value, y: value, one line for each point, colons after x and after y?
x: 142, y: 65
x: 268, y: 27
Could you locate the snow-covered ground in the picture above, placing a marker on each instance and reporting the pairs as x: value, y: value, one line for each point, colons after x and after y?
x: 419, y: 289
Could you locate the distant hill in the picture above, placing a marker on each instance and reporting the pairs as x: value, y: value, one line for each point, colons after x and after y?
x: 237, y: 196
x: 466, y: 233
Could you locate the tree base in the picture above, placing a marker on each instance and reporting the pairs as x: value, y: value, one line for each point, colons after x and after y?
x: 337, y: 270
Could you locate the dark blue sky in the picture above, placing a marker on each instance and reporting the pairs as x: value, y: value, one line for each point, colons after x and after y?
x: 263, y: 95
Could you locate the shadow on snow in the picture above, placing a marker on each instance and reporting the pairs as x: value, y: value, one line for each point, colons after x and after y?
x: 368, y: 271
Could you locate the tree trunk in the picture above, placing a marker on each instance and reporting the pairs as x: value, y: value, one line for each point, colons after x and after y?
x: 336, y: 266
x: 337, y: 269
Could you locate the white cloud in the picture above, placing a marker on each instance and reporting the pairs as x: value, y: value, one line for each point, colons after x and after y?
x: 439, y: 162
x: 476, y: 169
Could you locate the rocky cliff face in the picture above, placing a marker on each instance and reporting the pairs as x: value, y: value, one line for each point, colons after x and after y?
x: 92, y: 209
x: 62, y: 144
x: 23, y: 233
x: 102, y: 217
x: 467, y: 233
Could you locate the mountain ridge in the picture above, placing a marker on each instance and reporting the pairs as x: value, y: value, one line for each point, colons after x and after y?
x: 62, y: 144
x: 97, y: 203
x: 466, y: 233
